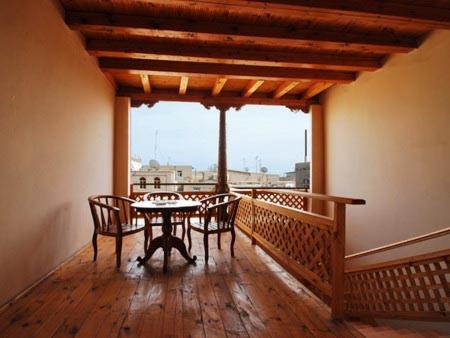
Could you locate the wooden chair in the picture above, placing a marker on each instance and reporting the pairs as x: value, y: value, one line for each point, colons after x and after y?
x: 155, y: 219
x: 216, y: 217
x: 112, y: 217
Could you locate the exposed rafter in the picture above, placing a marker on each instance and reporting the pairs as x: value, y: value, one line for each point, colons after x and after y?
x: 284, y: 88
x: 145, y: 83
x: 315, y: 89
x: 218, y: 85
x: 171, y: 68
x: 251, y: 87
x: 247, y: 44
x: 245, y: 33
x: 362, y: 11
x: 183, y: 85
x: 230, y: 55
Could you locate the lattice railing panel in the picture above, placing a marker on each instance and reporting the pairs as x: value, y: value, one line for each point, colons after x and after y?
x: 282, y: 198
x: 244, y: 215
x: 417, y: 287
x: 305, y: 243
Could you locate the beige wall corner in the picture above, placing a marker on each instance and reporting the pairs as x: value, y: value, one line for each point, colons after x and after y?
x: 56, y: 141
x: 317, y: 157
x: 122, y: 146
x: 388, y: 142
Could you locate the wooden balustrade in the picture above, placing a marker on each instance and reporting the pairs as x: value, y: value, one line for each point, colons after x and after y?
x: 310, y: 246
x: 416, y: 288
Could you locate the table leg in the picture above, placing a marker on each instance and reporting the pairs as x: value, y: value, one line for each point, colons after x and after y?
x: 166, y: 242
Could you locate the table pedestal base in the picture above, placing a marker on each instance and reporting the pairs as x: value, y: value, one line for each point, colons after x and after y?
x: 166, y: 242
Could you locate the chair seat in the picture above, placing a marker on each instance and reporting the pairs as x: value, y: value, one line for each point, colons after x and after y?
x: 212, y: 227
x: 127, y: 229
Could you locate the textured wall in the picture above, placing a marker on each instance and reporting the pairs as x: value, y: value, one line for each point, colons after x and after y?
x: 56, y: 136
x: 388, y: 141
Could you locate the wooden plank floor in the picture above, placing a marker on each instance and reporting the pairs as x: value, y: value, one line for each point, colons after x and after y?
x: 248, y: 296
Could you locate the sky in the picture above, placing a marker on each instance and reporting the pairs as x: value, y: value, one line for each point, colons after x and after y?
x: 187, y: 133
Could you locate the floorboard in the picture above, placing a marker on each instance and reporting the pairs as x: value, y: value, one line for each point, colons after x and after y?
x: 246, y: 296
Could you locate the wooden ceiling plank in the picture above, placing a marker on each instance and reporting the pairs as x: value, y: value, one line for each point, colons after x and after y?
x: 145, y: 83
x: 252, y: 87
x: 229, y: 55
x: 205, y: 97
x: 242, y: 33
x: 284, y: 88
x: 218, y: 85
x: 361, y: 11
x: 315, y: 89
x: 171, y: 68
x: 183, y: 85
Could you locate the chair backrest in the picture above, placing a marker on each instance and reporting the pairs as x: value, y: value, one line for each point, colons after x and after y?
x: 223, y: 209
x: 163, y: 195
x: 110, y: 212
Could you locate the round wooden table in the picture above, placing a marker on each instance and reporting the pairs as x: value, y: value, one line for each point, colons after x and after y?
x: 167, y: 241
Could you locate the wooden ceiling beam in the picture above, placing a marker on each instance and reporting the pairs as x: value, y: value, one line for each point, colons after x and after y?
x: 389, y: 12
x: 171, y: 68
x: 251, y: 87
x: 284, y: 88
x: 229, y: 98
x: 145, y: 83
x: 315, y: 89
x: 218, y: 85
x: 229, y: 55
x: 288, y: 36
x: 183, y: 85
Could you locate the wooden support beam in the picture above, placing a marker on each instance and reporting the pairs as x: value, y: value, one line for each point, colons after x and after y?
x: 218, y: 85
x: 183, y: 85
x: 253, y: 34
x: 222, y: 171
x: 251, y: 87
x: 284, y: 88
x: 234, y: 99
x: 145, y: 83
x: 157, y: 50
x: 172, y: 68
x: 315, y: 89
x: 427, y: 14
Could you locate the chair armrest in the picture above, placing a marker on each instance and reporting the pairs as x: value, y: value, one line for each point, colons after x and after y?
x: 106, y: 206
x: 217, y: 205
x: 206, y: 199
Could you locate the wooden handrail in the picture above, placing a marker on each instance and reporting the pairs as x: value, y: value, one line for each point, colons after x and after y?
x: 399, y: 244
x: 342, y: 200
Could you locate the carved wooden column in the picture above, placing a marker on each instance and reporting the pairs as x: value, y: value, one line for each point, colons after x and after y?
x: 222, y: 182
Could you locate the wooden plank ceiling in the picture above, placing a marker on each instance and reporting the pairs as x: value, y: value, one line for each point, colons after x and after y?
x: 240, y: 52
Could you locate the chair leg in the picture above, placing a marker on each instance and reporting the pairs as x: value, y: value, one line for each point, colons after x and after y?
x: 189, y: 238
x: 233, y: 239
x: 94, y: 244
x: 205, y: 243
x: 218, y: 241
x: 183, y: 231
x: 146, y: 231
x: 118, y: 250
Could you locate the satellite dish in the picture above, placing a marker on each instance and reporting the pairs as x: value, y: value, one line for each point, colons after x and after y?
x: 264, y: 170
x: 154, y: 164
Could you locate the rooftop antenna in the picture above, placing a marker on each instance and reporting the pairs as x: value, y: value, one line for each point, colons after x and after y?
x: 306, y: 144
x: 256, y: 164
x: 243, y: 163
x: 156, y: 144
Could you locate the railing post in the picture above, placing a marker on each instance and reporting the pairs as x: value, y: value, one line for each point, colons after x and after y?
x: 337, y: 262
x: 253, y: 215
